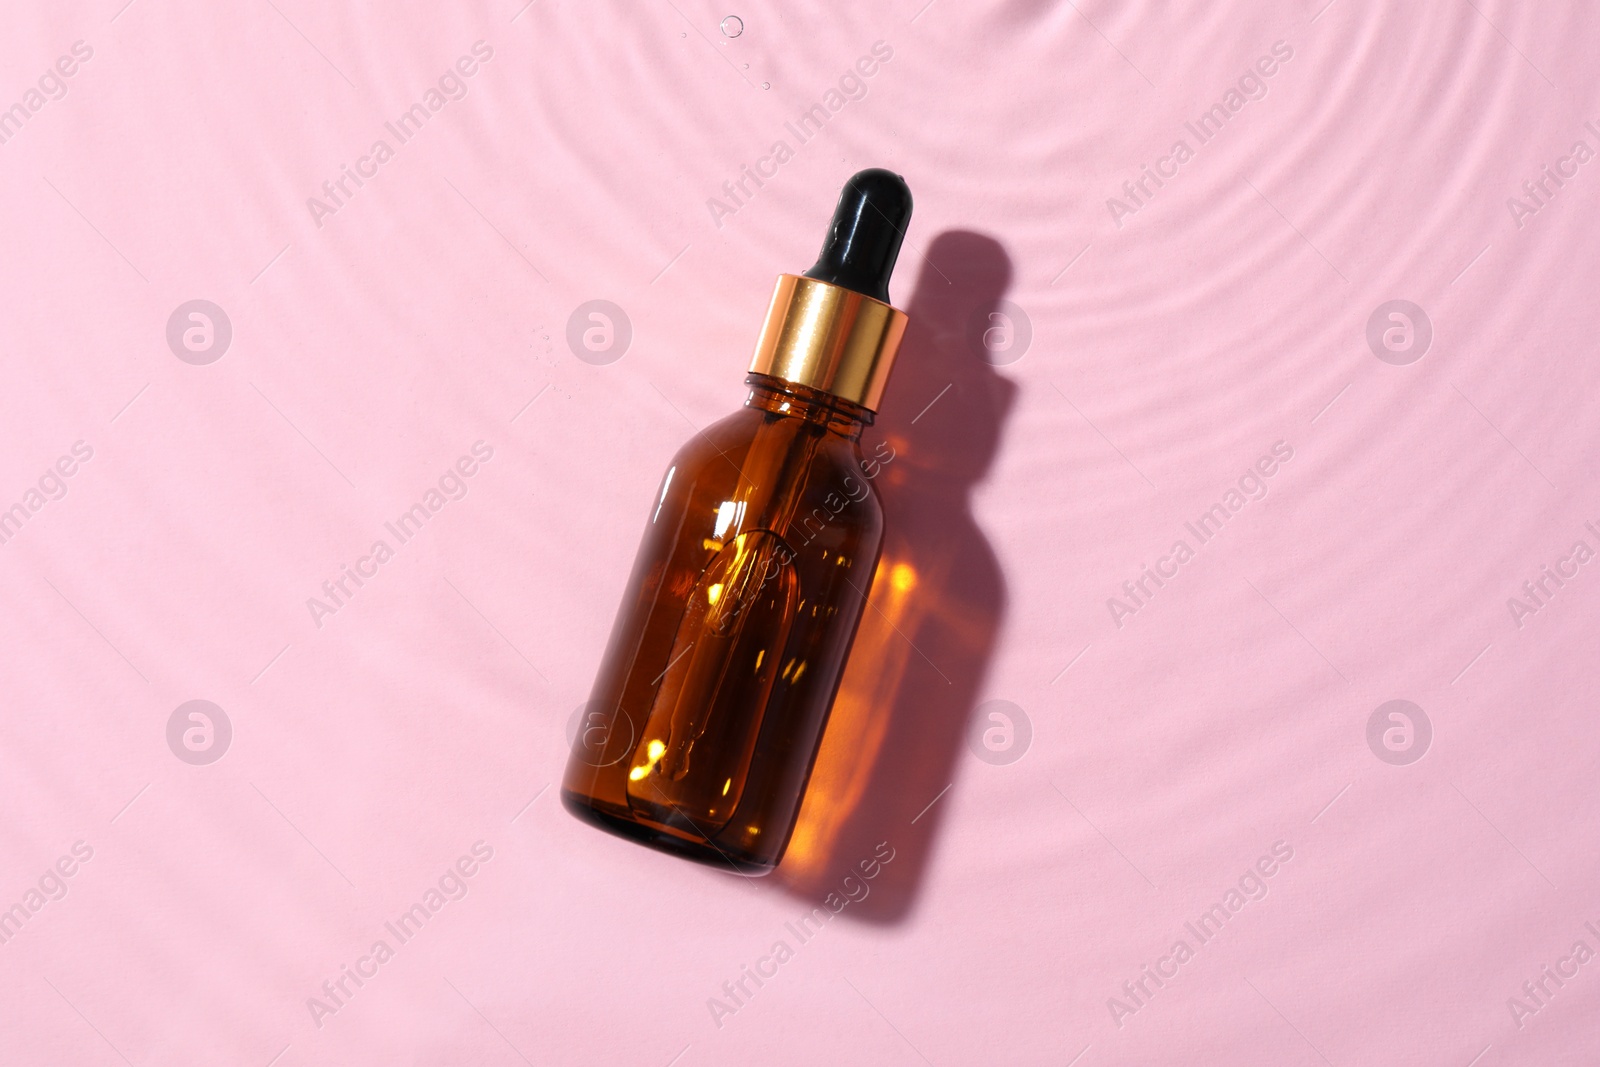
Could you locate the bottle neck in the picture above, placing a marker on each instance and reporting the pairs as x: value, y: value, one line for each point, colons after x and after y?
x: 792, y: 400
x: 828, y: 337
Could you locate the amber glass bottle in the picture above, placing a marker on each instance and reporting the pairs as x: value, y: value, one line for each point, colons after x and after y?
x: 757, y: 559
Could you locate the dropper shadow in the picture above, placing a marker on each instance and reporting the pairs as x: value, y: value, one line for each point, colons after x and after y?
x: 899, y: 722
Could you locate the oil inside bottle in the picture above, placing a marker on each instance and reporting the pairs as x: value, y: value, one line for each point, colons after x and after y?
x: 690, y: 764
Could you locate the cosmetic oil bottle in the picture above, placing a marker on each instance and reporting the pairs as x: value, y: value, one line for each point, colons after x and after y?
x: 757, y: 558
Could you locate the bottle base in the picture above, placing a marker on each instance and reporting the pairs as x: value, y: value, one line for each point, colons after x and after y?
x: 595, y: 814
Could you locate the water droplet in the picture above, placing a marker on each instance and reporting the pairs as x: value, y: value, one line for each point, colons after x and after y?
x: 732, y: 26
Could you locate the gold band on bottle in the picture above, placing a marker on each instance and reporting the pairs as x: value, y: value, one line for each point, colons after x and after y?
x: 831, y: 338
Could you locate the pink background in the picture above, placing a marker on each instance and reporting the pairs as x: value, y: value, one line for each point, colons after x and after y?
x: 1167, y: 354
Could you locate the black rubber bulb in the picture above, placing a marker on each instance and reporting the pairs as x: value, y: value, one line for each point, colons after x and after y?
x: 864, y: 238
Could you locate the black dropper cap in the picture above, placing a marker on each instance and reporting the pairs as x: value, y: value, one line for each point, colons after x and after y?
x: 864, y: 239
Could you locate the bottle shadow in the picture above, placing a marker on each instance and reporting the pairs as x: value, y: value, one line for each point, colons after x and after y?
x: 876, y: 797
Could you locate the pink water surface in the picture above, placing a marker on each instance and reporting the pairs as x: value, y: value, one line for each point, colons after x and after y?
x: 400, y: 745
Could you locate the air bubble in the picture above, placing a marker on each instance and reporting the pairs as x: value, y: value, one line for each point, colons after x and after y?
x: 732, y: 26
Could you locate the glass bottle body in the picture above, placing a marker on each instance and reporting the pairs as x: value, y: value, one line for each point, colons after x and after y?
x: 711, y: 699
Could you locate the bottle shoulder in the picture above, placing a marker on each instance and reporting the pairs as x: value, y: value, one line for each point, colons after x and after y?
x: 751, y: 451
x: 730, y: 437
x: 732, y: 433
